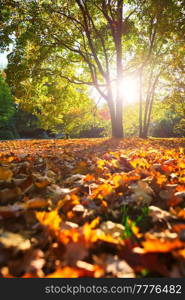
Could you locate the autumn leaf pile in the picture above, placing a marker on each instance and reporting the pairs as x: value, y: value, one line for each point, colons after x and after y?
x: 92, y: 208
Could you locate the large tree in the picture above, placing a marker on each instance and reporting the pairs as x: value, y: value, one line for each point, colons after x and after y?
x: 158, y: 38
x: 87, y: 34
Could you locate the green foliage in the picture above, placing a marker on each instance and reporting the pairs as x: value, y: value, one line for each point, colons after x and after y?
x: 57, y: 105
x: 168, y: 117
x: 179, y: 128
x: 46, y: 57
x: 130, y: 119
x: 169, y: 126
x: 6, y: 103
x: 27, y: 125
x: 125, y: 221
x: 6, y: 134
x: 7, y: 110
x: 129, y: 219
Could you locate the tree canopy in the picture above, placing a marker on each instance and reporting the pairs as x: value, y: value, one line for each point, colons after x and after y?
x: 97, y: 44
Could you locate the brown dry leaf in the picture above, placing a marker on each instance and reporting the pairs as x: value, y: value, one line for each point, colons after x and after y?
x: 37, y: 203
x: 126, y: 164
x: 180, y: 194
x: 142, y: 193
x: 158, y: 214
x: 84, y: 234
x: 34, y: 261
x: 27, y: 185
x: 166, y: 194
x: 42, y: 183
x: 14, y: 240
x: 11, y: 210
x: 49, y: 175
x: 178, y: 212
x: 74, y: 178
x: 58, y: 192
x: 181, y: 214
x: 139, y: 260
x: 9, y: 194
x: 68, y: 203
x: 174, y: 201
x: 108, y: 238
x: 69, y: 272
x: 113, y: 229
x: 31, y: 264
x: 74, y: 251
x: 119, y: 268
x: 178, y: 227
x: 179, y: 253
x: 96, y: 269
x: 88, y: 178
x: 81, y: 168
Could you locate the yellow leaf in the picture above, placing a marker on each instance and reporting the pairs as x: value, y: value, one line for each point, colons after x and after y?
x: 66, y: 272
x: 49, y: 219
x: 117, y: 180
x: 161, y: 245
x: 5, y: 174
x: 140, y: 162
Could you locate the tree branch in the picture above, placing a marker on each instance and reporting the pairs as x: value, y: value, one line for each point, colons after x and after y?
x: 79, y: 81
x: 89, y: 38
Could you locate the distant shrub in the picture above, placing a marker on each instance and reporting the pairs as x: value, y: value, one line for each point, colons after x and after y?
x: 34, y: 133
x: 94, y: 132
x: 6, y: 134
x: 7, y: 108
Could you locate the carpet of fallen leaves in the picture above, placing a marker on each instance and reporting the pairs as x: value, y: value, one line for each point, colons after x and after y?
x: 92, y: 208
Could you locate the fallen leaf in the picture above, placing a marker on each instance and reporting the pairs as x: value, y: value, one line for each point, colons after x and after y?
x: 119, y: 268
x: 5, y: 174
x: 14, y: 240
x: 37, y: 203
x: 162, y: 245
x: 49, y: 219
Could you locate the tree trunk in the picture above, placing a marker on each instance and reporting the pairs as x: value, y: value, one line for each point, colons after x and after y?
x: 119, y: 65
x: 113, y: 116
x: 140, y: 106
x: 149, y: 110
x: 144, y: 132
x: 119, y: 118
x: 116, y: 118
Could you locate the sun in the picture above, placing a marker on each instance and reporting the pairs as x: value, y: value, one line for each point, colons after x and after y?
x: 129, y: 87
x: 130, y: 90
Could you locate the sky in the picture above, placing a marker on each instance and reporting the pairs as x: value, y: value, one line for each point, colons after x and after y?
x: 3, y: 57
x: 3, y: 60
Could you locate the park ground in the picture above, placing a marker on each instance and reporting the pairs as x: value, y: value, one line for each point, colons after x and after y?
x: 92, y: 208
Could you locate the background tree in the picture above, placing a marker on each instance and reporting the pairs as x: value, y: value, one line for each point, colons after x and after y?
x: 155, y: 41
x: 58, y: 106
x: 7, y: 110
